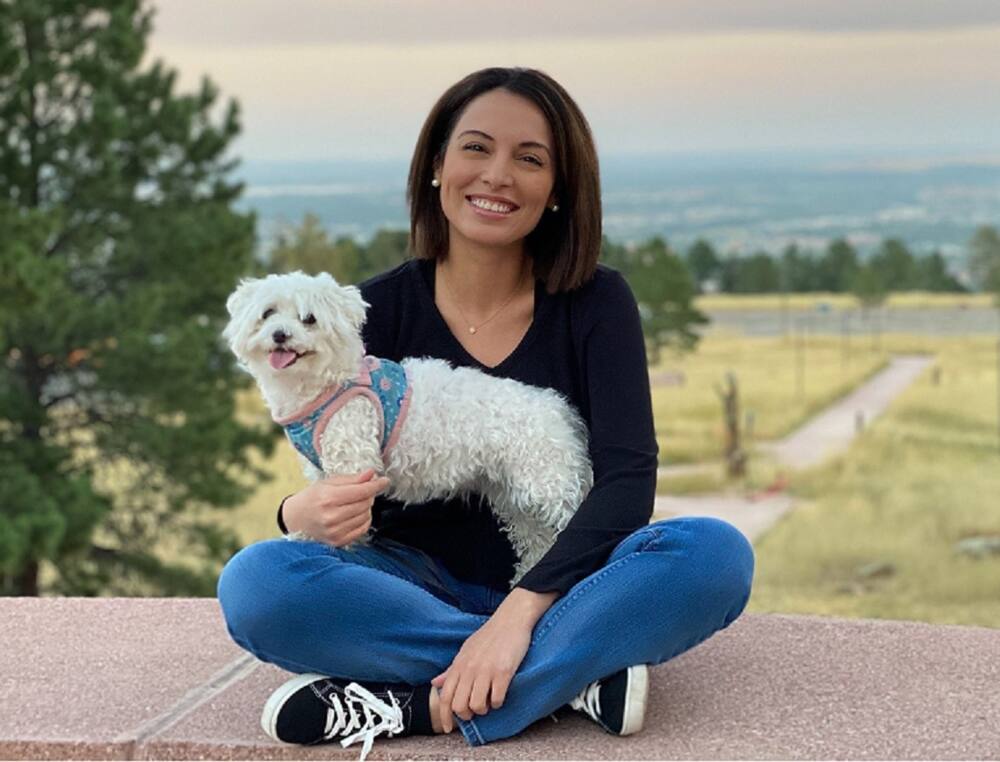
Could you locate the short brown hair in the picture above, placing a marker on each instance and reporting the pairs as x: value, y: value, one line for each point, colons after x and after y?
x: 564, y: 245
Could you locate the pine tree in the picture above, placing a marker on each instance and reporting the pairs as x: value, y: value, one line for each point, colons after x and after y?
x: 895, y: 266
x: 838, y: 267
x: 984, y: 261
x: 703, y: 263
x: 119, y: 246
x: 665, y: 291
x: 308, y: 247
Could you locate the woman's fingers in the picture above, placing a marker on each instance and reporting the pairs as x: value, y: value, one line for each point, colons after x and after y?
x: 499, y: 691
x: 358, y: 529
x: 460, y: 703
x: 347, y: 532
x: 351, y: 513
x: 343, y: 494
x: 480, y: 694
x: 444, y: 705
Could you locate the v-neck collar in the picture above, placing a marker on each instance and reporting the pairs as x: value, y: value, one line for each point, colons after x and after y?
x: 424, y: 271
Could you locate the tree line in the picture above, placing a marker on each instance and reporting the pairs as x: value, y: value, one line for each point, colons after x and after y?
x: 839, y: 268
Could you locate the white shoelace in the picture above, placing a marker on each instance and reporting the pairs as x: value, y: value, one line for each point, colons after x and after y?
x: 379, y: 717
x: 589, y: 700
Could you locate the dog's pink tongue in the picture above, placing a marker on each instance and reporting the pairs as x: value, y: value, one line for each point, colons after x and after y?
x: 281, y: 358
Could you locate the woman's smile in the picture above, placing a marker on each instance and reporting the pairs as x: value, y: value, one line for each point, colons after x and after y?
x: 491, y: 207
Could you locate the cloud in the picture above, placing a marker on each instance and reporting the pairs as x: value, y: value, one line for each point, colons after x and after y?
x: 420, y: 22
x: 660, y: 93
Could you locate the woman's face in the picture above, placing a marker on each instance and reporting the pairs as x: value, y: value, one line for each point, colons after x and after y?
x: 498, y: 170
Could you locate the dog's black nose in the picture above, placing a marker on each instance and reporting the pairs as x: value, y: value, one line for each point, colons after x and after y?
x: 279, y: 336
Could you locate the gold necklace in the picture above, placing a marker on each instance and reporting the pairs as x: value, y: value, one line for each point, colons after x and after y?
x: 474, y: 328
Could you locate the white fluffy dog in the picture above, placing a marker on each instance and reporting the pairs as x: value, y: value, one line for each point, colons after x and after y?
x: 434, y: 430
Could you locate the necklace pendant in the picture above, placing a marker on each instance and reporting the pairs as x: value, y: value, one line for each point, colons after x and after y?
x: 472, y: 329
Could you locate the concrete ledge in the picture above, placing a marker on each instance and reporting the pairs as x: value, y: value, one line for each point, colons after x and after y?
x: 160, y: 679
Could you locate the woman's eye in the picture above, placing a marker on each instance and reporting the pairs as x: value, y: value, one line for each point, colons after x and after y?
x: 267, y: 313
x: 309, y: 319
x: 534, y: 160
x: 474, y: 146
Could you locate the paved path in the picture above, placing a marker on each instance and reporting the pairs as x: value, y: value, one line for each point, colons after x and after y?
x: 832, y: 431
x: 827, y: 434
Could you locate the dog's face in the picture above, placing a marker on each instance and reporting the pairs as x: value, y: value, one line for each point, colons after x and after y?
x: 285, y: 326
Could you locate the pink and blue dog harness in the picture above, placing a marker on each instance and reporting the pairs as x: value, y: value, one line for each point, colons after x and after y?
x: 384, y: 382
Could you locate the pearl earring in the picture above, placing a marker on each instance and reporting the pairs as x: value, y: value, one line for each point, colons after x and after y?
x: 436, y: 183
x: 555, y: 207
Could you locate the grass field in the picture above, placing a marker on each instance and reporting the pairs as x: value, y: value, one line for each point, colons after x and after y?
x: 912, y: 299
x: 874, y: 532
x: 778, y: 390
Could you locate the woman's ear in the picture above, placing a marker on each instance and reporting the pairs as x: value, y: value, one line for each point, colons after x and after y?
x: 437, y: 165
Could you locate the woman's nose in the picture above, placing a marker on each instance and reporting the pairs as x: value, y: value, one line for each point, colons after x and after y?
x: 497, y: 173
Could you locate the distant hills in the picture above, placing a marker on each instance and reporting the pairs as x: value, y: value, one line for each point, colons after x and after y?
x: 739, y: 202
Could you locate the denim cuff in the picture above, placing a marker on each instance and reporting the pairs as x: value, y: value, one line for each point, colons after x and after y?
x: 470, y: 731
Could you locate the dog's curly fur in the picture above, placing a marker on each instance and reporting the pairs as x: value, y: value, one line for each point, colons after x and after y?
x: 521, y: 447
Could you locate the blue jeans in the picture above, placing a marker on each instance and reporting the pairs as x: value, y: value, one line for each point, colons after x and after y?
x: 388, y: 612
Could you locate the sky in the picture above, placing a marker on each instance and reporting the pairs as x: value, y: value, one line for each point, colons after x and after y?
x: 354, y: 79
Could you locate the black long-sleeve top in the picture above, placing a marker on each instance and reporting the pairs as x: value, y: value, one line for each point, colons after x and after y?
x: 586, y: 344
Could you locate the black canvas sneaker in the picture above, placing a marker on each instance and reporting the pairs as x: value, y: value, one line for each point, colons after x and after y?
x: 313, y: 709
x: 617, y: 702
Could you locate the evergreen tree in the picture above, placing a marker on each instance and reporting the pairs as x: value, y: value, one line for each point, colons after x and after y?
x: 665, y: 292
x: 762, y: 273
x: 798, y: 271
x: 308, y: 247
x: 119, y: 248
x: 754, y: 274
x: 387, y: 249
x: 984, y: 260
x: 894, y: 265
x: 615, y: 255
x: 932, y: 274
x: 869, y: 288
x: 838, y: 267
x: 729, y: 274
x: 703, y: 263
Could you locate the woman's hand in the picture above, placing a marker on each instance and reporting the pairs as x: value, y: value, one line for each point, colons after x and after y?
x: 478, y: 677
x: 336, y: 510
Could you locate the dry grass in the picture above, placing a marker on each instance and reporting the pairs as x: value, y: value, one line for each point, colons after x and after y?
x: 925, y: 476
x: 912, y: 299
x: 689, y: 421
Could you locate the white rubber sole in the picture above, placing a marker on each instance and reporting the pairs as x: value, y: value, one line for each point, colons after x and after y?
x: 636, y: 693
x: 269, y: 717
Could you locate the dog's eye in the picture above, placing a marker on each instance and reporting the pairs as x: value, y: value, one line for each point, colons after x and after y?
x: 267, y: 313
x: 309, y: 319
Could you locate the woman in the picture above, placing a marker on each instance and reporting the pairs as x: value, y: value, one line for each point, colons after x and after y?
x: 417, y: 630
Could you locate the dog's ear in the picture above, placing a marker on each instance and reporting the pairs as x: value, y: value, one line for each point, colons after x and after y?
x: 240, y: 298
x: 237, y: 305
x: 345, y: 302
x: 356, y: 307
